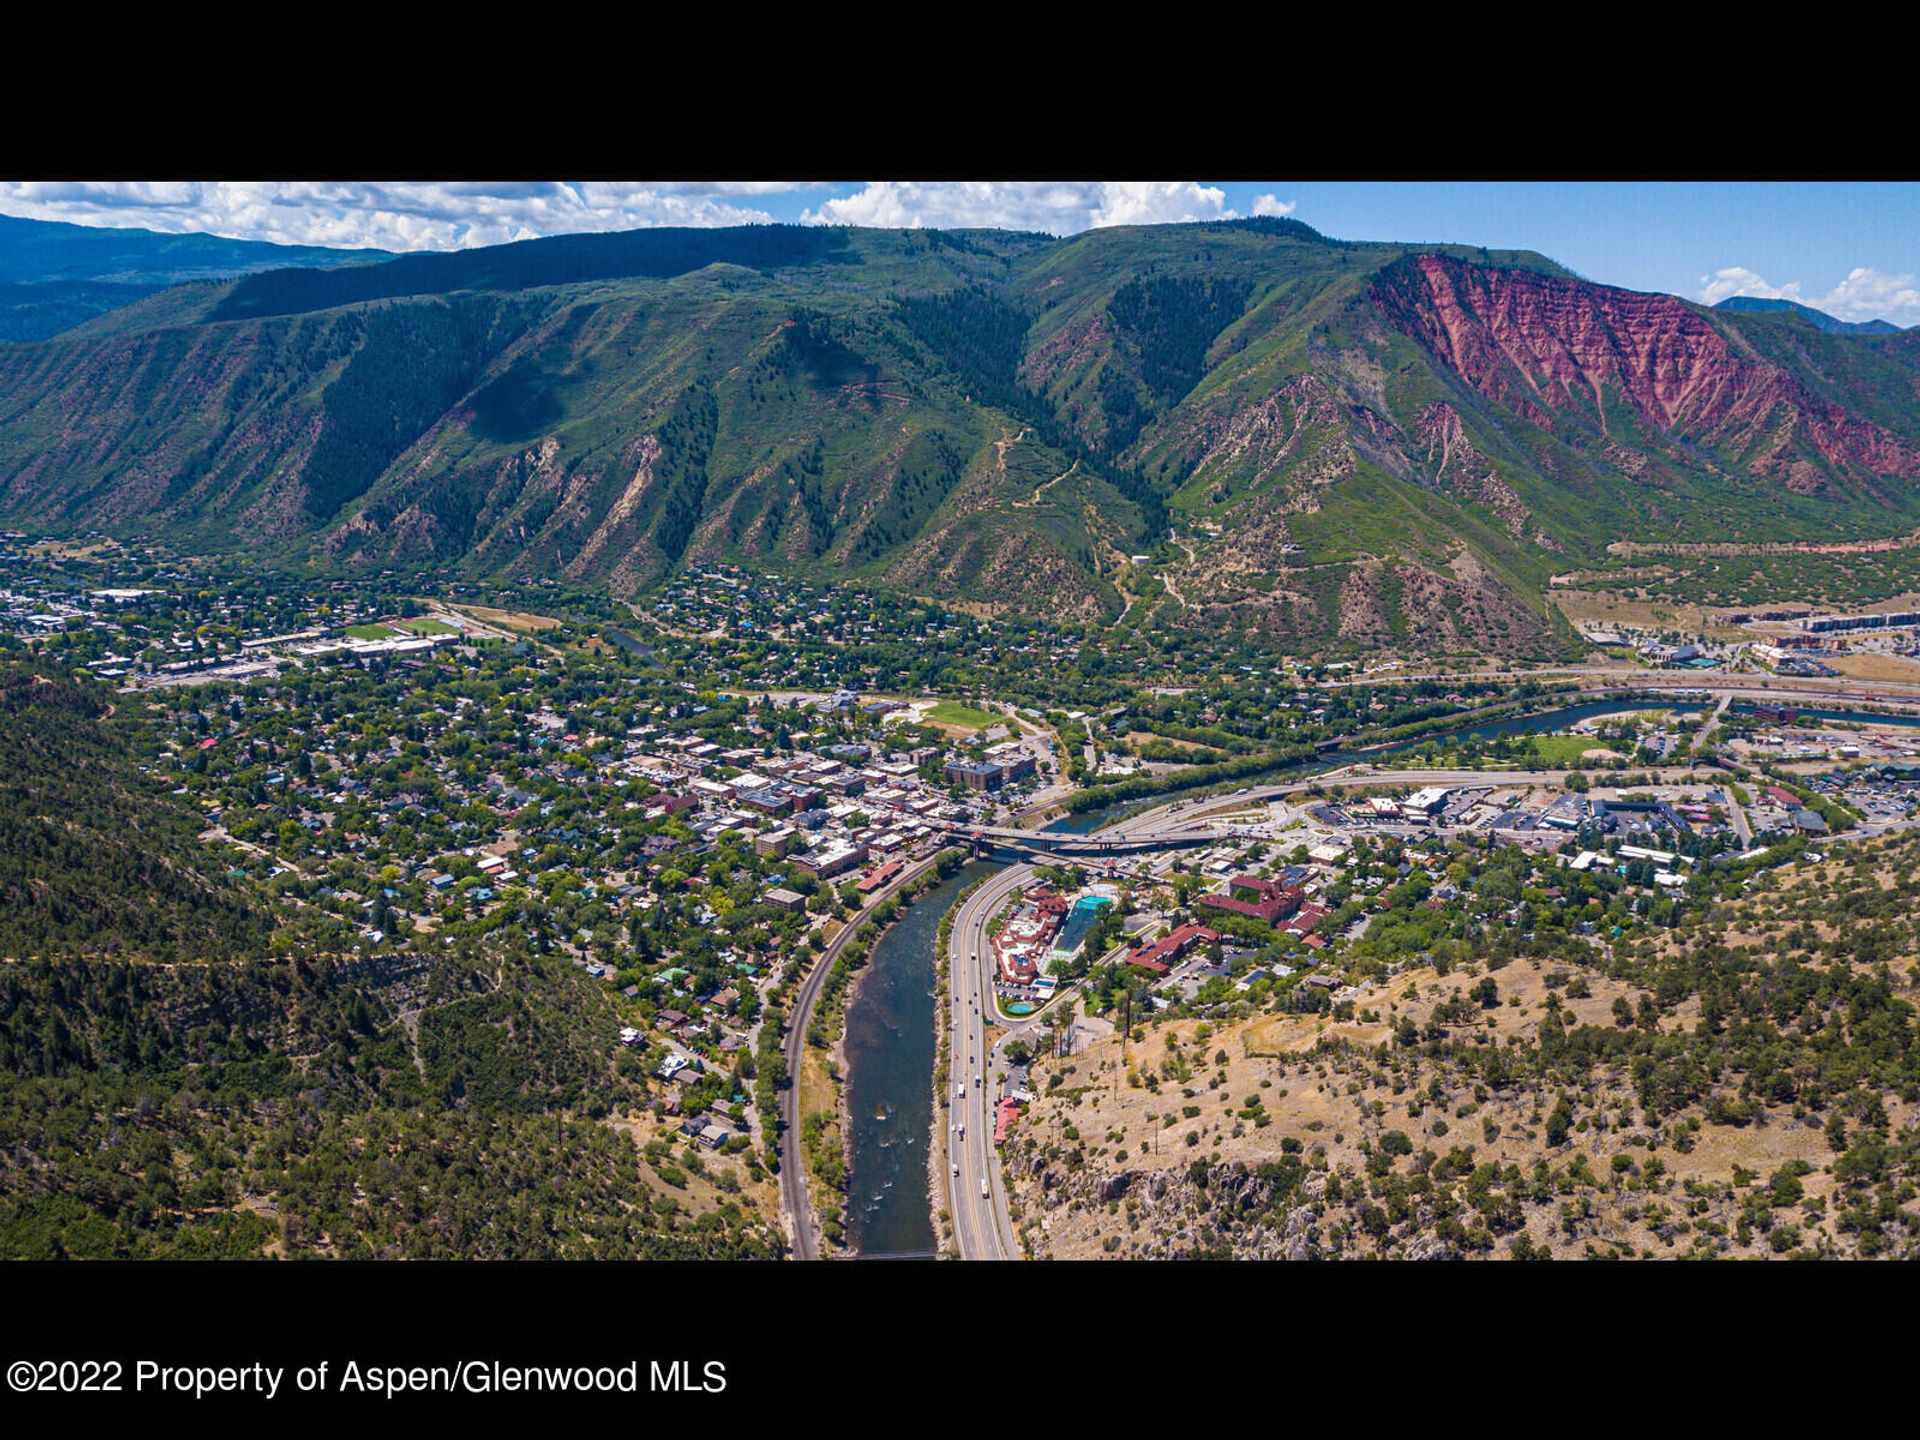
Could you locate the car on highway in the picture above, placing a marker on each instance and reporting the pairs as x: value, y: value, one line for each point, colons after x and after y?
x: 960, y: 1091
x: 983, y: 1189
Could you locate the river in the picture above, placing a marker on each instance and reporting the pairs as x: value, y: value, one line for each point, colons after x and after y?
x: 891, y: 1027
x: 627, y: 643
x: 890, y: 1046
x: 1541, y: 722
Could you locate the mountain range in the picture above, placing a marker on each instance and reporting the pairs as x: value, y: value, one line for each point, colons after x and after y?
x: 1819, y: 319
x: 1243, y: 425
x: 54, y: 276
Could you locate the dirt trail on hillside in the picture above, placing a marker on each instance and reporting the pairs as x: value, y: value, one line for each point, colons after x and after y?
x: 1784, y: 547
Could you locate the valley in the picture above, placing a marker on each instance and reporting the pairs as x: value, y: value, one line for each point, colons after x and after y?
x: 799, y: 741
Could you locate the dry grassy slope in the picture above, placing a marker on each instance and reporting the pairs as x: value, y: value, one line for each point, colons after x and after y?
x: 1126, y: 1186
x: 702, y: 1194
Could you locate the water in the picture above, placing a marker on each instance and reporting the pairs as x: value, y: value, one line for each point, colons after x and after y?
x: 1083, y: 822
x: 1541, y: 722
x: 1079, y: 920
x: 890, y: 1047
x: 1089, y: 820
x: 1857, y: 717
x: 627, y: 643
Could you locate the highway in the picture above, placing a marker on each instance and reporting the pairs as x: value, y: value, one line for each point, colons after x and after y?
x: 982, y: 1227
x: 977, y: 1200
x: 796, y: 1204
x: 1763, y: 689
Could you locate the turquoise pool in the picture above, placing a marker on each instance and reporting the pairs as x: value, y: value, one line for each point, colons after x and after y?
x: 1079, y: 920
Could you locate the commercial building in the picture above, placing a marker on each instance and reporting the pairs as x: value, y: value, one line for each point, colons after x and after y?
x: 776, y: 842
x: 1256, y: 898
x: 976, y: 774
x: 833, y: 860
x: 1164, y: 953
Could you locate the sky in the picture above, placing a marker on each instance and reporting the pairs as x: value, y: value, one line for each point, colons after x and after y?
x: 1851, y: 249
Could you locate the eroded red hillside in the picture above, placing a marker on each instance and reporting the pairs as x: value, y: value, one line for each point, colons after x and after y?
x: 1550, y: 348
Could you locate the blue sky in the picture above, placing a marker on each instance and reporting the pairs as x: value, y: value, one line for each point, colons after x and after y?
x: 1847, y: 248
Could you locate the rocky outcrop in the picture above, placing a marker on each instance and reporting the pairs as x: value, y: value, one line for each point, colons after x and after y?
x: 1459, y: 467
x: 1205, y: 1210
x: 1299, y: 430
x: 1072, y: 350
x: 1554, y: 350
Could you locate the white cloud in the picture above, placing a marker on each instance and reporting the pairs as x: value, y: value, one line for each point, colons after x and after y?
x: 1738, y: 280
x: 1865, y: 294
x: 1058, y: 207
x: 1868, y: 294
x: 387, y: 216
x: 461, y: 214
x: 1274, y: 205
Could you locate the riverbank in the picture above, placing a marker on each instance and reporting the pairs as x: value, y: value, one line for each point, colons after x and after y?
x: 821, y: 1086
x: 848, y: 1101
x: 795, y: 1054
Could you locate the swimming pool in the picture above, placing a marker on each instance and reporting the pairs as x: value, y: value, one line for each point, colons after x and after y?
x: 1079, y: 920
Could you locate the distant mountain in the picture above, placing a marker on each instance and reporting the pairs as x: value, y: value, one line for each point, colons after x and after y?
x: 1753, y: 304
x: 1333, y: 445
x: 54, y: 275
x: 48, y: 307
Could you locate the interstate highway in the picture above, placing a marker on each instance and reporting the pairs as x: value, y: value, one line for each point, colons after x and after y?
x: 982, y: 1225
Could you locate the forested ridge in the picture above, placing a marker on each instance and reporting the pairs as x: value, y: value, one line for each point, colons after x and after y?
x: 174, y: 1084
x: 282, y: 1107
x: 98, y: 859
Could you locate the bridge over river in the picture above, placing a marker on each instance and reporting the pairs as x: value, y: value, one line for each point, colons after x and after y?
x: 1046, y: 843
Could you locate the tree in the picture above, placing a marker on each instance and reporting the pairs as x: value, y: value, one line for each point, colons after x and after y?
x: 1560, y: 1122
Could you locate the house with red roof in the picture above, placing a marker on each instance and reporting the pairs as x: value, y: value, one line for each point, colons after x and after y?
x: 1004, y: 1116
x: 1259, y: 899
x: 1164, y: 953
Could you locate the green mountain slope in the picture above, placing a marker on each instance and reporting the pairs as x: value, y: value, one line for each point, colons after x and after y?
x: 1819, y: 319
x: 1339, y: 445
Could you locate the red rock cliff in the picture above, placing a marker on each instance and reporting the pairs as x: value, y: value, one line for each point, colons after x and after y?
x: 1547, y: 348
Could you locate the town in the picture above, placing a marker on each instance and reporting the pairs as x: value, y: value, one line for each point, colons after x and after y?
x: 702, y: 802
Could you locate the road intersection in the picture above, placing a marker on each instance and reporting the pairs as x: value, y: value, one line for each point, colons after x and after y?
x: 978, y: 1031
x: 982, y: 1222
